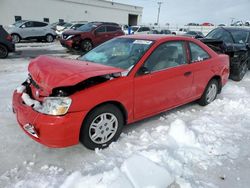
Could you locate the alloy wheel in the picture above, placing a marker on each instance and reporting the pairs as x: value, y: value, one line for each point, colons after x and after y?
x: 211, y: 93
x: 103, y: 128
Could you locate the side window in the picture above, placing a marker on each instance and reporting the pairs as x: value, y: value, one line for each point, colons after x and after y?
x: 39, y: 24
x: 111, y: 28
x: 146, y: 29
x: 167, y: 55
x: 197, y: 53
x: 101, y: 29
x: 29, y: 24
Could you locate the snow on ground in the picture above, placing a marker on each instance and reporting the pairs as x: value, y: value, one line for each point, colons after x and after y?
x: 191, y: 146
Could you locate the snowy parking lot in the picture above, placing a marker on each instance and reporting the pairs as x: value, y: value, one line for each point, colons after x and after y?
x: 191, y: 146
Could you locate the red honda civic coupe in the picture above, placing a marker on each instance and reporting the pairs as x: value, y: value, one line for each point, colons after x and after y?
x: 124, y: 80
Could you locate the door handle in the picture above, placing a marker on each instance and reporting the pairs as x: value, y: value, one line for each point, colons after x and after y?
x: 187, y: 73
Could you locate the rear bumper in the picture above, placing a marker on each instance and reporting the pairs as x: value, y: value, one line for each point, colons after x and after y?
x: 52, y: 131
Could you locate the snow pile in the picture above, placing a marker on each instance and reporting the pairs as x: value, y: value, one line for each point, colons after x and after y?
x: 135, y: 172
x: 181, y: 134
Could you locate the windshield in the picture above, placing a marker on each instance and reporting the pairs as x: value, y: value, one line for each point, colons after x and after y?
x: 220, y: 34
x: 87, y: 27
x: 122, y: 53
x: 18, y: 23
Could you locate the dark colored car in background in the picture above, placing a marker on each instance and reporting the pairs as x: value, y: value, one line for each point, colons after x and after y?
x: 194, y: 34
x: 90, y: 35
x: 234, y: 42
x: 6, y: 44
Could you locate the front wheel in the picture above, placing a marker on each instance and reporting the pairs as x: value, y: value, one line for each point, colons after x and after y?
x: 210, y: 93
x: 86, y: 45
x: 3, y: 51
x: 101, y: 127
x: 240, y: 73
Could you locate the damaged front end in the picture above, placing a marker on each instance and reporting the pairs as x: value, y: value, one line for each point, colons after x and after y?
x: 238, y: 53
x: 58, y: 102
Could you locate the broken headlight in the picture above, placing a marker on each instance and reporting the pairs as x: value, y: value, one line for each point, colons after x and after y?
x: 54, y: 106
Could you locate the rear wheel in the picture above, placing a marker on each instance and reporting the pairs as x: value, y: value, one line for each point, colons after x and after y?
x: 102, y: 126
x: 86, y: 45
x: 3, y: 51
x: 210, y: 93
x: 49, y: 38
x: 16, y: 38
x: 240, y: 73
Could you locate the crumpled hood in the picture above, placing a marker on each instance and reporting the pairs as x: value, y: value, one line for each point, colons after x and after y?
x: 52, y: 72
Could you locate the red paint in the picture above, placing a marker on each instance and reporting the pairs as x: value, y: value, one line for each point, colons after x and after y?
x: 140, y: 96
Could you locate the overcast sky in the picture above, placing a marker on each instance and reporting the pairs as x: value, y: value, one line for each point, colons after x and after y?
x: 198, y: 11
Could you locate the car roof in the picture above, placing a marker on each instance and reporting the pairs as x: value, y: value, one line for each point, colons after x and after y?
x: 155, y: 37
x: 105, y: 23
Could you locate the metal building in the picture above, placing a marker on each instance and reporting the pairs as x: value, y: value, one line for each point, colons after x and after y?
x: 68, y: 10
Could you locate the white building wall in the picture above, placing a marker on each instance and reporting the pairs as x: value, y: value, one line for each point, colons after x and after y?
x: 69, y: 10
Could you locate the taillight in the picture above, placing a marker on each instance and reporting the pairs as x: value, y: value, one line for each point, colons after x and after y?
x: 9, y: 38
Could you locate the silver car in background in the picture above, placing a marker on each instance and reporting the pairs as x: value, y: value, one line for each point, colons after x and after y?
x: 26, y: 30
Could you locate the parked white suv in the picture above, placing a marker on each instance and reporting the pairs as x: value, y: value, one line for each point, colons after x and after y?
x: 140, y: 30
x: 25, y: 30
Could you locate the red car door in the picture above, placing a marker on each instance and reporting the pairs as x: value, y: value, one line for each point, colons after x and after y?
x: 101, y: 35
x: 168, y: 82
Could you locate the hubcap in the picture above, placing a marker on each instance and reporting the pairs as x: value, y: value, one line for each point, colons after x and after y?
x: 211, y: 93
x: 87, y: 46
x: 103, y: 128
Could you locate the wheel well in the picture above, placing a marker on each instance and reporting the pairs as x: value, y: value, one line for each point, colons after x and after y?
x: 115, y: 103
x: 88, y: 40
x: 16, y: 34
x: 218, y: 78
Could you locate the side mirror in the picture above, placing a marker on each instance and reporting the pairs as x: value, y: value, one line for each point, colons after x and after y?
x: 143, y: 71
x: 22, y: 26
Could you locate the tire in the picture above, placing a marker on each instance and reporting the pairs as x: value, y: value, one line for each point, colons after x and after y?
x: 49, y: 38
x: 3, y: 52
x: 86, y: 45
x: 16, y: 38
x: 210, y: 93
x: 240, y: 73
x: 99, y: 123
